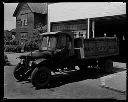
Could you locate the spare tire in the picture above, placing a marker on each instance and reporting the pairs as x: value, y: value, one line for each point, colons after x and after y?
x: 40, y: 77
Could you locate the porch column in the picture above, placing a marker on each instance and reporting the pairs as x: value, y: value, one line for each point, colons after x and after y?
x: 88, y: 27
x: 93, y: 29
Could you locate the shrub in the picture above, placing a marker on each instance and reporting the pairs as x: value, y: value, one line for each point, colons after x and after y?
x: 12, y: 48
x: 9, y: 48
x: 31, y: 46
x: 18, y: 49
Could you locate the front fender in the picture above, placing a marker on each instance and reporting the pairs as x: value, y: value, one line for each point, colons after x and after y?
x: 38, y: 61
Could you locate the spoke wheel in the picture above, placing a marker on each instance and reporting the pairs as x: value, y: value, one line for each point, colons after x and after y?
x: 40, y: 77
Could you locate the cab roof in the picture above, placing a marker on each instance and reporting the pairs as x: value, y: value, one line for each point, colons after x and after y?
x: 50, y: 33
x: 58, y: 32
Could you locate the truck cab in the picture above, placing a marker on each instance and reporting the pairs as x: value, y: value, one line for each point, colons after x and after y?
x: 59, y: 45
x: 56, y: 41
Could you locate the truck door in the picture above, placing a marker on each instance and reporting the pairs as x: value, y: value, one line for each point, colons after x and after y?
x: 79, y: 48
x: 62, y: 49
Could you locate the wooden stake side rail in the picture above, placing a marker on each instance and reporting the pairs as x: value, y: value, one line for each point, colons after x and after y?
x: 97, y: 47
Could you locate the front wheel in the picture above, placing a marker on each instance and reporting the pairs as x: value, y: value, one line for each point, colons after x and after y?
x: 40, y: 77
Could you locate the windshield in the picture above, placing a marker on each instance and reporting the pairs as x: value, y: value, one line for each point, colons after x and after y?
x: 52, y: 42
x: 48, y: 43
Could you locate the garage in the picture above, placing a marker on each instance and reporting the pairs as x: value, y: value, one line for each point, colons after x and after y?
x: 90, y: 19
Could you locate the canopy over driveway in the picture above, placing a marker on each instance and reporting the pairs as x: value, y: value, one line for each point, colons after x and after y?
x: 107, y: 17
x: 111, y: 25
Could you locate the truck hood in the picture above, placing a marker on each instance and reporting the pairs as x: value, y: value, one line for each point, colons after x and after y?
x: 37, y: 61
x: 38, y: 55
x: 41, y: 54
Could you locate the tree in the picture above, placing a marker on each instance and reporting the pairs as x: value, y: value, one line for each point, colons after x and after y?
x: 39, y: 28
x: 35, y: 40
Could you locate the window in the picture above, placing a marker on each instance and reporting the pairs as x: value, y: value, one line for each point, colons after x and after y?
x: 23, y: 35
x: 80, y: 33
x: 24, y: 20
x: 18, y: 21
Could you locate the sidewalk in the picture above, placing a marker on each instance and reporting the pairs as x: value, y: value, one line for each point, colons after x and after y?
x: 119, y: 65
x: 115, y: 82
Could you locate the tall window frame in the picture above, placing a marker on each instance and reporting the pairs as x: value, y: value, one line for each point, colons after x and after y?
x: 24, y: 21
x: 23, y: 35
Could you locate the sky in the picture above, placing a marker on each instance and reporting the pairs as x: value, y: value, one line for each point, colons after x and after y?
x: 9, y: 20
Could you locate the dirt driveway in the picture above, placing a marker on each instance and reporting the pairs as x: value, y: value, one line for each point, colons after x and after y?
x: 72, y: 86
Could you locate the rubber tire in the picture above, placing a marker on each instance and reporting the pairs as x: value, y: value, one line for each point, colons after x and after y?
x: 106, y: 66
x: 17, y: 75
x: 34, y: 77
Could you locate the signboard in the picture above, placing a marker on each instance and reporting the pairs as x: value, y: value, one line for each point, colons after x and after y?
x: 100, y: 47
x: 69, y: 25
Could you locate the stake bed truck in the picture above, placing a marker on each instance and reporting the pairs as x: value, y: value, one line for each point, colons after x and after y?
x: 61, y: 50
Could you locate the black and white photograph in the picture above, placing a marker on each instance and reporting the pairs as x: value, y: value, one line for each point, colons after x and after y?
x: 65, y: 50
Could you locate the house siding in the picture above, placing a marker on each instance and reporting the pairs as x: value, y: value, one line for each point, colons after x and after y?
x: 25, y: 30
x: 40, y: 18
x: 24, y: 10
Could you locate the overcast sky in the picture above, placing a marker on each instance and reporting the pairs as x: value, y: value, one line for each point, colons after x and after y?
x: 9, y: 20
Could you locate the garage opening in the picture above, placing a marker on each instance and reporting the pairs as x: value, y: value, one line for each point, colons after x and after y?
x: 113, y: 26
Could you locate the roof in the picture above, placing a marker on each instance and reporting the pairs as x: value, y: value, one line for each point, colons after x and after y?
x: 79, y: 10
x: 35, y: 8
x: 38, y: 7
x: 65, y: 32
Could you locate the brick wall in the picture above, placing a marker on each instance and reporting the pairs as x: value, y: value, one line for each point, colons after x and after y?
x: 28, y: 29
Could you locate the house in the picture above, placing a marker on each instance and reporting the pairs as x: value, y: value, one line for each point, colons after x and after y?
x: 28, y: 17
x: 88, y: 18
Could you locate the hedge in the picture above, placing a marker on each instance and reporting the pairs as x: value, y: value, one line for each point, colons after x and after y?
x: 31, y: 46
x: 12, y: 48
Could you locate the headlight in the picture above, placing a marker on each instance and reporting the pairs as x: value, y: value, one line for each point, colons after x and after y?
x: 30, y: 63
x: 21, y: 61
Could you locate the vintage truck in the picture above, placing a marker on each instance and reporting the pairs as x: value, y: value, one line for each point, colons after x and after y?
x: 61, y: 49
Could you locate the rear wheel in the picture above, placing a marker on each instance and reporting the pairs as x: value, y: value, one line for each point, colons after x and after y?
x: 40, y: 77
x: 106, y: 66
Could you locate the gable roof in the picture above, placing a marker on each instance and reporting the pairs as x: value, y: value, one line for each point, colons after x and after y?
x: 38, y: 7
x: 35, y: 8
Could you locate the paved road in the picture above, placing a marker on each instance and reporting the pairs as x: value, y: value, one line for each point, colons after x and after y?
x: 75, y: 85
